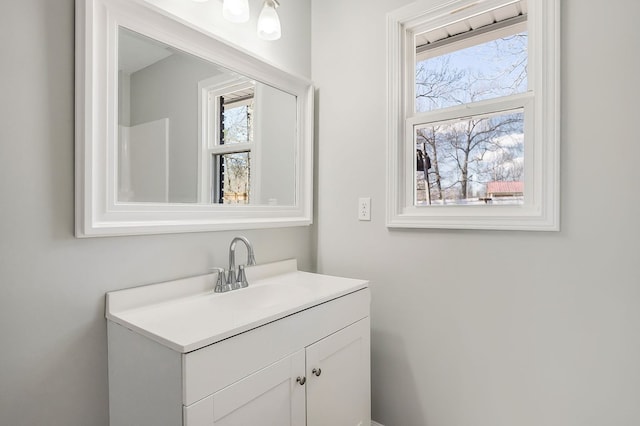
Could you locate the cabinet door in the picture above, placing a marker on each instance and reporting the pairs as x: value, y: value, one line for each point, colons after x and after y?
x: 339, y: 391
x: 269, y: 397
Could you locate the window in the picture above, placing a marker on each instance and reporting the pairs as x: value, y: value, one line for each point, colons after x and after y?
x: 228, y: 146
x: 473, y: 105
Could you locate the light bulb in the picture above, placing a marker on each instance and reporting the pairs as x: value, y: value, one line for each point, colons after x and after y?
x: 269, y: 22
x: 236, y: 10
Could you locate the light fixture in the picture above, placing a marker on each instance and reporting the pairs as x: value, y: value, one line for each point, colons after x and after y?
x: 269, y: 22
x: 236, y: 10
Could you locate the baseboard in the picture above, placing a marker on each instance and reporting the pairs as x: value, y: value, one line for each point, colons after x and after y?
x: 375, y: 423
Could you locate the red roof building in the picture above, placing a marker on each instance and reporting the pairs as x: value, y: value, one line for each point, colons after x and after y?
x: 505, y: 189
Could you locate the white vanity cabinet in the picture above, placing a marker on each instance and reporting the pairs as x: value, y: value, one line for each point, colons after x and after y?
x: 326, y: 383
x: 306, y: 367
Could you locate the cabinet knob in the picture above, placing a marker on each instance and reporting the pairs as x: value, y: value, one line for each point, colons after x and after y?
x: 317, y: 371
x: 301, y: 380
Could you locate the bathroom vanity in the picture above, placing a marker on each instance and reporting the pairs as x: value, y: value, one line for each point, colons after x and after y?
x: 290, y: 349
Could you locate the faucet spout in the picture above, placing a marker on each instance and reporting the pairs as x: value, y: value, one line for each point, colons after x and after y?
x: 251, y: 260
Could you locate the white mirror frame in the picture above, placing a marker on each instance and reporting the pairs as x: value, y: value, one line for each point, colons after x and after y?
x: 98, y: 213
x: 541, y: 211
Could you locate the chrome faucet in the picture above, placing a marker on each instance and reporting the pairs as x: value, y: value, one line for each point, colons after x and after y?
x: 241, y: 280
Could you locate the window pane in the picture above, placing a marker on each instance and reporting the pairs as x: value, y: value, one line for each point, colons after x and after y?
x: 477, y: 161
x: 237, y: 124
x: 234, y: 173
x: 484, y: 71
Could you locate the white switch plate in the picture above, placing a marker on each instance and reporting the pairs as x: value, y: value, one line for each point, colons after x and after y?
x: 364, y: 208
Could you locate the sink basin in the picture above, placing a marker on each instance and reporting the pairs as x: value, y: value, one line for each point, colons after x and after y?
x: 263, y: 296
x: 187, y: 315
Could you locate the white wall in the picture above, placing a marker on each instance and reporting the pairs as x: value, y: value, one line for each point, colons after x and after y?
x: 480, y: 328
x: 53, y: 365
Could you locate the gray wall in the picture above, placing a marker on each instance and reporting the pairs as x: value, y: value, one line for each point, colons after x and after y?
x: 285, y: 53
x: 53, y: 365
x: 551, y: 339
x: 481, y: 328
x: 275, y: 122
x: 169, y: 89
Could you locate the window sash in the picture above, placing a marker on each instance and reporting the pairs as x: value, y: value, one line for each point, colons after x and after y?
x: 520, y: 102
x: 472, y: 109
x: 213, y: 95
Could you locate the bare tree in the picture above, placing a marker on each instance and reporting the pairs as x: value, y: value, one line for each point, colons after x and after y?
x: 472, y: 152
x: 470, y: 141
x: 427, y: 137
x: 237, y: 128
x: 514, y: 47
x: 437, y: 84
x: 435, y: 88
x: 237, y: 124
x: 236, y: 175
x: 504, y: 160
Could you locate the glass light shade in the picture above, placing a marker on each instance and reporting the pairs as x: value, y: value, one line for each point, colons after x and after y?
x: 236, y: 10
x: 269, y: 22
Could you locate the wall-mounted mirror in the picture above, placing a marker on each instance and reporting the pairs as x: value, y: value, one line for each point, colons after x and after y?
x: 177, y: 131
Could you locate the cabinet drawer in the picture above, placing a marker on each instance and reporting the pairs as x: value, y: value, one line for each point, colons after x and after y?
x: 210, y: 369
x: 269, y: 397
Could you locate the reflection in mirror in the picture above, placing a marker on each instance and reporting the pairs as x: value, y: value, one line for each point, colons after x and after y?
x: 190, y: 131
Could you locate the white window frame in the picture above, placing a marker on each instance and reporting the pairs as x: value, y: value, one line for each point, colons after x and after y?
x: 541, y: 105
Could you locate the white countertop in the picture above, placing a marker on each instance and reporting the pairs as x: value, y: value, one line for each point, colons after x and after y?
x: 186, y: 314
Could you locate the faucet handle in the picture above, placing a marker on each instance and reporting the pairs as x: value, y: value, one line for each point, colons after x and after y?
x: 221, y: 284
x: 242, y: 277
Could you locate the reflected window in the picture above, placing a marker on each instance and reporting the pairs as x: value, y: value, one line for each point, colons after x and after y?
x: 229, y: 130
x: 236, y: 119
x: 231, y: 178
